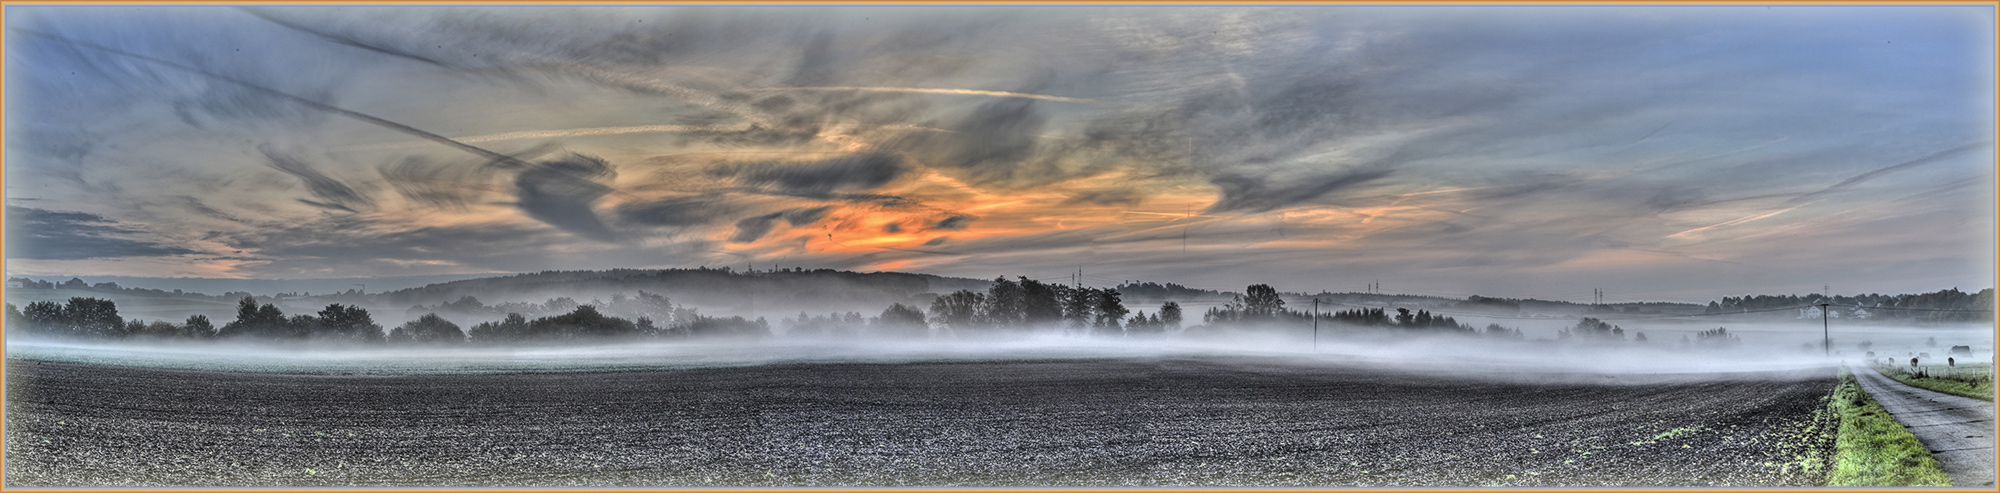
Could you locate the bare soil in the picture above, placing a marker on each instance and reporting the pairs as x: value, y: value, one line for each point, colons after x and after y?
x: 1180, y: 421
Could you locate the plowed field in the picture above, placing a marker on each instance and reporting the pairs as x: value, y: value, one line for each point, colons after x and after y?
x: 1171, y: 421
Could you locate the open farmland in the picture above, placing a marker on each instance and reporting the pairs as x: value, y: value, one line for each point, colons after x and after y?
x: 1123, y: 421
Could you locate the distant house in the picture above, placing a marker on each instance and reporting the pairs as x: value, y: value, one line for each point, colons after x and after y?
x: 17, y: 283
x: 1859, y: 312
x: 1961, y: 351
x: 1813, y: 312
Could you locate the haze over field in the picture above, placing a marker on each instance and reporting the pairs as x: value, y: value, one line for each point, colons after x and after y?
x: 676, y: 246
x: 1671, y: 153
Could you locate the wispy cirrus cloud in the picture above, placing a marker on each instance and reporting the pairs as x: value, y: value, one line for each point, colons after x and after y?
x: 1454, y: 146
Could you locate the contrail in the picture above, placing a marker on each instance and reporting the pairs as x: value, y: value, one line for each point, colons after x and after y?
x: 1648, y: 135
x: 1857, y: 179
x: 626, y: 81
x: 636, y: 129
x: 926, y: 90
x: 1734, y: 222
x: 579, y: 132
x: 342, y: 40
x: 492, y: 157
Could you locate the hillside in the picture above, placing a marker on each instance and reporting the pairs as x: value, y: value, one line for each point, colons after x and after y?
x: 715, y: 291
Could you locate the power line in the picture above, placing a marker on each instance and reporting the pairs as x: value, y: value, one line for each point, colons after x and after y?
x: 1924, y: 309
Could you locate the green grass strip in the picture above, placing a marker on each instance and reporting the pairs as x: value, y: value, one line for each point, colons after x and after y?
x: 1873, y: 449
x: 1969, y: 381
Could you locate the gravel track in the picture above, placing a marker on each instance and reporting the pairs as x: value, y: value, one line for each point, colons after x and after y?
x: 1176, y: 421
x: 1957, y: 430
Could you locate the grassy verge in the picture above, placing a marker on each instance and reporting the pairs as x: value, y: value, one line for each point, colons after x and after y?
x: 1872, y: 449
x: 1970, y: 380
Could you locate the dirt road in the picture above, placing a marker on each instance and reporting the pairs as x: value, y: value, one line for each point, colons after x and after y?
x: 1957, y: 430
x: 1187, y: 421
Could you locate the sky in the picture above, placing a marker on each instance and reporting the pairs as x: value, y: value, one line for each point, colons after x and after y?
x: 1676, y: 153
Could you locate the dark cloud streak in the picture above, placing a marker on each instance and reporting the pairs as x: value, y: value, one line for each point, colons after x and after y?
x: 754, y: 228
x: 560, y: 192
x: 1253, y: 194
x: 336, y: 194
x: 865, y: 171
x: 493, y: 157
x: 40, y: 234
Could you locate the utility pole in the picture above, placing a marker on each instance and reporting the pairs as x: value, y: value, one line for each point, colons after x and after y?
x: 1315, y: 324
x: 1826, y: 331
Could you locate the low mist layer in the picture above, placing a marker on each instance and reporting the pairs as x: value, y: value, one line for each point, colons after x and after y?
x: 1448, y: 355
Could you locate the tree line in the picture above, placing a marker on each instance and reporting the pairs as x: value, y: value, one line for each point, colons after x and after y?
x: 1006, y: 306
x: 1948, y: 305
x: 1014, y: 306
x: 93, y: 318
x: 113, y: 288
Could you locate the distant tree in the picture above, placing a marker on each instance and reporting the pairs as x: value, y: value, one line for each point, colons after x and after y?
x: 684, y: 320
x: 1593, y: 329
x: 645, y: 327
x: 1405, y: 319
x: 1079, y: 307
x: 512, y: 328
x: 1261, y: 301
x: 902, y: 321
x: 584, y: 321
x: 160, y: 329
x: 465, y: 303
x: 92, y: 317
x: 653, y: 305
x: 1145, y: 325
x: 14, y: 317
x: 729, y: 327
x: 1639, y: 337
x: 302, y: 326
x: 197, y: 327
x: 1042, y: 304
x: 958, y: 310
x: 1110, y: 309
x: 429, y: 328
x: 1495, y: 330
x: 1717, y: 338
x: 1170, y: 316
x: 349, y: 323
x: 1005, y: 304
x: 254, y: 320
x: 560, y: 305
x: 46, y: 317
x: 1366, y: 317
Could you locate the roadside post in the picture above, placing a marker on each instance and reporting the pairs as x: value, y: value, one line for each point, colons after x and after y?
x: 1315, y: 324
